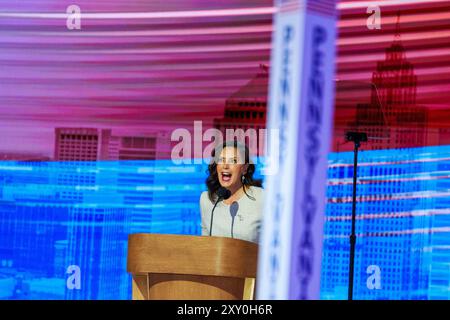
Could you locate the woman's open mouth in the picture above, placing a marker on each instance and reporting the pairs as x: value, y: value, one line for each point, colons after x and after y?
x: 226, y: 176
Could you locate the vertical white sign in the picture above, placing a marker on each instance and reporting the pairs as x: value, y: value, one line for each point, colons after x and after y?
x: 301, y: 102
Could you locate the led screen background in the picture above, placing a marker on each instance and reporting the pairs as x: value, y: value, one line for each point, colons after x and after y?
x: 86, y: 117
x: 129, y: 74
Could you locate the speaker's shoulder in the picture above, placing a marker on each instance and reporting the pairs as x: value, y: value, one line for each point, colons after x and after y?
x: 204, y: 197
x: 257, y: 192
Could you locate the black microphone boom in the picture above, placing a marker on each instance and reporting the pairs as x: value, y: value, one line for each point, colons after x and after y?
x: 222, y: 194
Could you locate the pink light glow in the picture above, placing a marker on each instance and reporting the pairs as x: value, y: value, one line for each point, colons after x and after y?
x: 139, y: 65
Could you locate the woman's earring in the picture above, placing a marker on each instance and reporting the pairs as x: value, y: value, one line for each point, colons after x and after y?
x: 243, y: 179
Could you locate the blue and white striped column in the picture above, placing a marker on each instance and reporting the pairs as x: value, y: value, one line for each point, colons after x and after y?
x: 301, y: 102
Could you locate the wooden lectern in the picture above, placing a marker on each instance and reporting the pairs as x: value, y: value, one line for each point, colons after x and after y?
x: 191, y: 267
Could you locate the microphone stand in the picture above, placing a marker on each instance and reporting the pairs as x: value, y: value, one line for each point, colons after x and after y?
x: 222, y: 194
x: 212, y: 215
x: 357, y: 138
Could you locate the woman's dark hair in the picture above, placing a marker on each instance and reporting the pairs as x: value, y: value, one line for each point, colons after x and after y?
x: 212, y: 182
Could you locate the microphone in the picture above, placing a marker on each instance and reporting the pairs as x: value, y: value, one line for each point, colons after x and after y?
x: 234, y: 208
x: 222, y: 194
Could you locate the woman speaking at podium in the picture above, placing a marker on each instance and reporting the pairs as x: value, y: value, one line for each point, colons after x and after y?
x: 232, y: 206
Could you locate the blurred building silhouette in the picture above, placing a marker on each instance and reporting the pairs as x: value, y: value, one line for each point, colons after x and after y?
x: 246, y: 109
x: 145, y: 147
x: 81, y: 144
x: 392, y: 119
x: 91, y: 144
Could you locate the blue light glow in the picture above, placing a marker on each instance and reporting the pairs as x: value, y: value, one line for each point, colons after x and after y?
x: 57, y: 214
